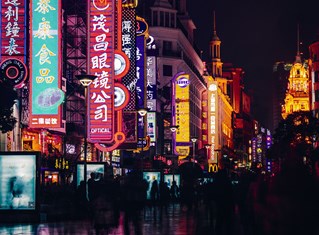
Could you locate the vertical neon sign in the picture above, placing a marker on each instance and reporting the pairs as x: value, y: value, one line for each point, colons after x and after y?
x: 45, y: 82
x: 180, y: 113
x: 151, y: 82
x: 212, y: 119
x: 13, y: 29
x: 101, y: 64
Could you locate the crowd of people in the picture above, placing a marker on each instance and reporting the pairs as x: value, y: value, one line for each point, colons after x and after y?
x: 265, y: 204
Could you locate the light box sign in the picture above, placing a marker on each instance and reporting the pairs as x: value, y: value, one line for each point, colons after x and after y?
x: 151, y: 126
x: 101, y: 63
x: 45, y: 83
x: 169, y: 178
x: 13, y: 33
x: 153, y: 179
x: 212, y: 119
x: 181, y: 113
x: 98, y: 170
x: 18, y: 181
x: 129, y: 48
x: 151, y: 82
x: 140, y: 70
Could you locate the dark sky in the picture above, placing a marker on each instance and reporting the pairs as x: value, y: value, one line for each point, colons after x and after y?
x: 255, y: 34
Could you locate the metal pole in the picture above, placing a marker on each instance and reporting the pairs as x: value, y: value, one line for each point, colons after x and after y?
x: 193, y: 153
x: 85, y: 141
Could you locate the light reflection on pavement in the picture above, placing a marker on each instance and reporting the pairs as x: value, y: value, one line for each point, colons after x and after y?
x: 175, y: 221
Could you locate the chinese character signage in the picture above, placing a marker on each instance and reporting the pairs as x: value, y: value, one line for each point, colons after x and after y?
x: 151, y: 82
x: 151, y: 126
x: 129, y: 48
x: 45, y: 81
x: 13, y: 23
x: 212, y: 120
x: 181, y: 113
x: 101, y: 63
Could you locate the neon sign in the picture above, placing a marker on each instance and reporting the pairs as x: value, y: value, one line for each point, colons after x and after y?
x: 101, y: 64
x: 45, y: 82
x: 181, y: 113
x: 13, y: 29
x: 212, y: 120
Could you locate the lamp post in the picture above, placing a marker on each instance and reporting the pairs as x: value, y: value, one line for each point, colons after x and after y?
x: 142, y: 112
x: 85, y: 80
x: 194, y: 139
x: 207, y: 150
x: 173, y: 130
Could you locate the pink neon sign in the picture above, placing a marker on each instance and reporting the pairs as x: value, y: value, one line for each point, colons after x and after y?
x: 12, y: 28
x: 101, y: 57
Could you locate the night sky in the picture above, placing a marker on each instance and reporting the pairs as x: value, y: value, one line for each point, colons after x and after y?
x: 255, y: 34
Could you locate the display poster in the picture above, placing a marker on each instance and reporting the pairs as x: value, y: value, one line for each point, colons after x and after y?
x: 153, y: 180
x: 96, y: 168
x: 169, y: 178
x: 18, y: 181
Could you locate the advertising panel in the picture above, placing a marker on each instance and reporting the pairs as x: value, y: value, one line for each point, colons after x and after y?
x: 181, y: 113
x: 12, y: 26
x: 97, y: 168
x: 45, y: 83
x: 212, y: 120
x: 129, y: 48
x: 151, y: 83
x: 101, y: 64
x: 151, y: 126
x: 168, y: 178
x: 140, y: 70
x: 153, y: 180
x: 18, y: 180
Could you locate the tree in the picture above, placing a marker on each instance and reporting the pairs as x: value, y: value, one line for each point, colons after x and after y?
x: 295, y: 134
x: 8, y: 97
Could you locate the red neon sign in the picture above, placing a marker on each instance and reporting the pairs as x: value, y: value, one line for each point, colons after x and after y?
x: 101, y: 57
x: 13, y: 29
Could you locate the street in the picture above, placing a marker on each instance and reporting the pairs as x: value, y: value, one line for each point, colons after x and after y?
x: 176, y: 221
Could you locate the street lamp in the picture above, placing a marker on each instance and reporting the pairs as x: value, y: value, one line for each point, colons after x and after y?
x: 207, y: 149
x: 142, y: 112
x: 194, y: 139
x: 85, y: 80
x: 173, y: 130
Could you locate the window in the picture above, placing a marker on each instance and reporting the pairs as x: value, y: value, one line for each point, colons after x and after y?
x: 155, y: 18
x: 172, y: 20
x: 167, y: 70
x: 162, y: 18
x: 167, y: 45
x: 167, y: 19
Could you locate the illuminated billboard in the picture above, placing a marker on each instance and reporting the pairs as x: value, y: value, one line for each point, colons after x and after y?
x: 97, y: 168
x: 101, y: 64
x: 13, y: 33
x: 45, y: 82
x: 129, y: 48
x: 151, y: 126
x: 153, y: 180
x: 181, y: 113
x: 212, y: 120
x: 18, y: 180
x: 151, y: 83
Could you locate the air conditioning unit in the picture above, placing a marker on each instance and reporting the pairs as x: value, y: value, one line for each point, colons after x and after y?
x: 63, y: 84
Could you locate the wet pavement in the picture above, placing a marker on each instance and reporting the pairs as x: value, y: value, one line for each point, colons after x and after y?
x: 176, y: 220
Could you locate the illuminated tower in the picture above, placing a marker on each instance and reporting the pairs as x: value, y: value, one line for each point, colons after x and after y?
x: 297, y: 94
x: 314, y: 75
x: 214, y: 46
